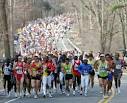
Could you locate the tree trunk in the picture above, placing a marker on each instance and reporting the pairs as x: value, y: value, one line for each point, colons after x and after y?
x: 123, y: 31
x: 4, y: 27
x: 10, y: 26
x: 123, y: 35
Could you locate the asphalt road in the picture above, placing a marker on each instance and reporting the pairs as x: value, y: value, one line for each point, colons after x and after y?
x: 93, y: 97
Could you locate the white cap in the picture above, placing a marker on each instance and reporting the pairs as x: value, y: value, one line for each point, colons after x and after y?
x: 102, y: 55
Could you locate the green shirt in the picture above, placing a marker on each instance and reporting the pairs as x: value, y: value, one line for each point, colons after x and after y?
x: 67, y: 68
x: 103, y: 69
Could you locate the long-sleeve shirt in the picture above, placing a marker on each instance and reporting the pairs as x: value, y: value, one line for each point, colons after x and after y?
x: 85, y: 69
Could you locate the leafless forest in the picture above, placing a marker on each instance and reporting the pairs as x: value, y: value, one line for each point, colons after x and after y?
x: 101, y: 25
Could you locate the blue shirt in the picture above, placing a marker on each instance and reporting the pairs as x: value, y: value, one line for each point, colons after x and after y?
x: 85, y: 69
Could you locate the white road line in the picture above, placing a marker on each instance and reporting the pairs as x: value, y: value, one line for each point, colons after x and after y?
x: 12, y: 100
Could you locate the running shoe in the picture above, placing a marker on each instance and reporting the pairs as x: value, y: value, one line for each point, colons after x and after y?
x: 118, y: 90
x: 80, y: 92
x: 73, y: 93
x: 9, y: 94
x: 16, y: 95
x: 105, y: 96
x: 35, y: 97
x: 44, y: 96
x: 85, y: 94
x: 50, y: 96
x: 67, y: 94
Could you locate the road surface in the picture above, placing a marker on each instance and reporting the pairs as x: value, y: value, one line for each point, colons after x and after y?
x: 93, y: 97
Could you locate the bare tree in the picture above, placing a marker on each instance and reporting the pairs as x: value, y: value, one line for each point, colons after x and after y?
x: 121, y: 10
x: 104, y: 20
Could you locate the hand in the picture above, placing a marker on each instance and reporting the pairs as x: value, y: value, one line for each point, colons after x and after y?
x: 82, y: 74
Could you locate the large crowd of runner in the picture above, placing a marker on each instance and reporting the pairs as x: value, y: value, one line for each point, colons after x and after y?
x: 62, y: 72
x: 43, y: 34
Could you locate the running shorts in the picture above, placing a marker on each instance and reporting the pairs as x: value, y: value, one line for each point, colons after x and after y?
x: 103, y: 77
x: 37, y: 77
x: 68, y: 76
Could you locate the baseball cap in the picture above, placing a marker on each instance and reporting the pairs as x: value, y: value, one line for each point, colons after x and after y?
x: 102, y: 55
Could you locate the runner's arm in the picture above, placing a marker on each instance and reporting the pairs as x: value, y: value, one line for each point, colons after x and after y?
x: 96, y: 65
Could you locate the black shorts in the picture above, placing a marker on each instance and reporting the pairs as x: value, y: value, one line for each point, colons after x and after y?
x: 103, y: 77
x: 92, y: 73
x: 55, y: 76
x: 7, y: 77
x: 37, y: 77
x: 68, y: 76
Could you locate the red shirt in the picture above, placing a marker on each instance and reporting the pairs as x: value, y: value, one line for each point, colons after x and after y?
x: 51, y: 66
x: 75, y: 68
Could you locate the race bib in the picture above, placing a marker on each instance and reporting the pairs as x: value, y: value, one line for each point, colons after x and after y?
x: 76, y: 67
x: 6, y: 69
x: 102, y: 69
x: 103, y: 72
x: 85, y: 72
x: 118, y: 66
x: 68, y: 72
x: 19, y: 70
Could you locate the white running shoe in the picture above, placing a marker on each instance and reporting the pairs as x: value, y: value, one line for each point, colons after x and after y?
x: 50, y: 96
x: 29, y: 95
x: 76, y: 88
x: 85, y: 94
x: 5, y: 92
x: 9, y: 94
x: 80, y: 92
x: 68, y: 94
x: 21, y: 94
x: 16, y: 95
x: 54, y: 90
x: 63, y: 92
x: 35, y: 97
x: 105, y: 96
x: 74, y: 93
x: 101, y: 92
x: 110, y: 91
x: 118, y: 90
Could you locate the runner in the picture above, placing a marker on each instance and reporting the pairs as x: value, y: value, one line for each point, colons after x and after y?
x: 67, y: 69
x: 27, y: 80
x: 35, y: 73
x: 19, y: 75
x: 84, y: 70
x: 101, y: 66
x: 48, y: 68
x: 55, y: 74
x: 76, y: 75
x: 62, y: 62
x: 111, y: 66
x: 91, y: 61
x: 118, y: 72
x: 6, y: 70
